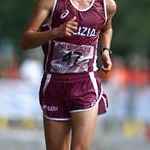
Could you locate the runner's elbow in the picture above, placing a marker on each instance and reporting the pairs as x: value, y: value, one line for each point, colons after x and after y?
x: 25, y: 43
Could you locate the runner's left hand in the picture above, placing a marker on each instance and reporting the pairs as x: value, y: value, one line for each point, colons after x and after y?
x: 107, y: 63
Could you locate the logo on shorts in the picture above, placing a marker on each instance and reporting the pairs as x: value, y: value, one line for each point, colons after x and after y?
x: 64, y: 14
x: 50, y: 108
x: 92, y: 104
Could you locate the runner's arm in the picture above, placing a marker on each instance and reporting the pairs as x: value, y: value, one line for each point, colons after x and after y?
x: 106, y: 36
x: 33, y: 37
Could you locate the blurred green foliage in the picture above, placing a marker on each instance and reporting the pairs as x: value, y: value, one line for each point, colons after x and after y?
x: 131, y: 25
x: 13, y: 17
x: 132, y: 28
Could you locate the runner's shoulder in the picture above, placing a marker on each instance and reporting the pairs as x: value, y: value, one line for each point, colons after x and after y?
x: 45, y: 4
x: 111, y: 7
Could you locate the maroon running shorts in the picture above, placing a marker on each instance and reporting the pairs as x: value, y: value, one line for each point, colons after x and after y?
x: 62, y: 94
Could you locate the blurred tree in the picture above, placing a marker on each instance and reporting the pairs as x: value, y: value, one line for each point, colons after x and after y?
x: 131, y: 28
x: 13, y: 17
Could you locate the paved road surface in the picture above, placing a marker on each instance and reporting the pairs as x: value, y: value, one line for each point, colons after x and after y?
x: 14, y: 139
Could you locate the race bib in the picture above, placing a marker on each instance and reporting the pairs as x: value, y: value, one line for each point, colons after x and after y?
x: 71, y: 58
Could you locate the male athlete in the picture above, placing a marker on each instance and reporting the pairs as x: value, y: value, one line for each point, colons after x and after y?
x: 71, y: 95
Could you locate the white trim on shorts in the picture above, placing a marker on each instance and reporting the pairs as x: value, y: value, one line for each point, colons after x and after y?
x: 103, y: 98
x: 56, y: 119
x: 82, y: 110
x: 93, y: 80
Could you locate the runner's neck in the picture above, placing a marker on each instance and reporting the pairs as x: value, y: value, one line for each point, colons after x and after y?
x: 82, y: 4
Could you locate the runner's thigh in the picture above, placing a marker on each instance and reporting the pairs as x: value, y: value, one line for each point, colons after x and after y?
x: 57, y: 134
x: 83, y: 125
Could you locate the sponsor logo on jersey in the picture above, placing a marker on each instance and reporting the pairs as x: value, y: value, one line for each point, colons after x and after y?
x: 85, y: 31
x: 64, y: 14
x: 85, y: 49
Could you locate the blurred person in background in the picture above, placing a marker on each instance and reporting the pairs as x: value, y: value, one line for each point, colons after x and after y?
x: 0, y: 65
x: 31, y: 69
x: 71, y: 95
x: 10, y: 68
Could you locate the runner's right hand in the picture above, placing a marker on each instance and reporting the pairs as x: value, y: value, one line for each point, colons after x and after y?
x: 66, y: 29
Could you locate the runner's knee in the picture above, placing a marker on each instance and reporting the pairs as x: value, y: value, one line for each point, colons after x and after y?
x: 80, y: 146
